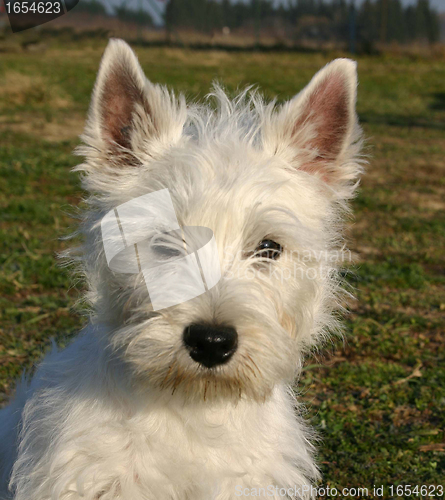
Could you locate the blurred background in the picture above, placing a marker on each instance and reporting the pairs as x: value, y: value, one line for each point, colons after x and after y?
x: 376, y: 398
x: 360, y: 26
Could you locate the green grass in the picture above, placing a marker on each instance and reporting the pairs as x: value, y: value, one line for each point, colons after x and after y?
x: 378, y: 399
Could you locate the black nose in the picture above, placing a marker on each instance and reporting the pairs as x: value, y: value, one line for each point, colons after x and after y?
x: 210, y: 345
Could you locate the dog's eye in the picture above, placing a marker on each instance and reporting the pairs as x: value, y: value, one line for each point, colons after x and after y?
x: 268, y: 249
x: 165, y: 252
x: 166, y: 249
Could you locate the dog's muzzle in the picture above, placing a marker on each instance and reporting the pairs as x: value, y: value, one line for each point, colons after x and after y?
x: 210, y: 345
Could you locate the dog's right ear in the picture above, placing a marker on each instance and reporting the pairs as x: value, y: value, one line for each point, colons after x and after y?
x: 129, y: 116
x: 317, y: 131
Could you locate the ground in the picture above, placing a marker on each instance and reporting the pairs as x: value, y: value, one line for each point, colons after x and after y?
x: 377, y: 398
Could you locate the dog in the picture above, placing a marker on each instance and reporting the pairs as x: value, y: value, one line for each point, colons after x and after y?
x: 194, y: 400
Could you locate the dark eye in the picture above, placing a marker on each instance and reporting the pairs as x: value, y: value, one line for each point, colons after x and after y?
x: 166, y: 247
x: 268, y: 249
x: 165, y: 252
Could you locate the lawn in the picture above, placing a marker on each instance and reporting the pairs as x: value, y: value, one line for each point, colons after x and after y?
x: 378, y: 397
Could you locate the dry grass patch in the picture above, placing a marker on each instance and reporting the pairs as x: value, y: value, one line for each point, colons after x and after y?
x: 62, y: 128
x: 18, y: 89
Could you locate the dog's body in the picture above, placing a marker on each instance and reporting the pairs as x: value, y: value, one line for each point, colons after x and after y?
x: 133, y: 410
x: 157, y: 447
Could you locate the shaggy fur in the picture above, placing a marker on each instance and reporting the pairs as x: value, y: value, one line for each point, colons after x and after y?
x: 124, y: 413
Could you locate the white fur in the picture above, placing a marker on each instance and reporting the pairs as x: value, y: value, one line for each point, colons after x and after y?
x: 124, y: 413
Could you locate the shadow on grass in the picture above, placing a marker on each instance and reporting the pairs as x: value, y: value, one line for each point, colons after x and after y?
x: 438, y: 103
x: 403, y: 121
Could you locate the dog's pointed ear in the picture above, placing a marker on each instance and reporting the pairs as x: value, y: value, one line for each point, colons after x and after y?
x: 129, y: 114
x: 317, y: 130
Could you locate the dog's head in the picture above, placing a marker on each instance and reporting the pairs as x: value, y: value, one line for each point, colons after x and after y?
x: 271, y: 182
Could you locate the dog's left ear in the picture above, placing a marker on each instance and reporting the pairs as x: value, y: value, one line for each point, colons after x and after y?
x: 317, y: 131
x: 130, y: 116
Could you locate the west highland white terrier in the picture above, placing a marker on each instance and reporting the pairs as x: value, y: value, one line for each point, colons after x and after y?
x: 192, y: 399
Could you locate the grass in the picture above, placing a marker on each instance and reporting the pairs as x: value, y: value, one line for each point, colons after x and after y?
x: 378, y: 399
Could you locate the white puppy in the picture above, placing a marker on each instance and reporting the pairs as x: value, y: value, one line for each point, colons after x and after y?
x: 194, y: 401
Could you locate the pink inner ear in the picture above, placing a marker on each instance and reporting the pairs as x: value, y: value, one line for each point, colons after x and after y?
x: 327, y: 110
x: 117, y: 102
